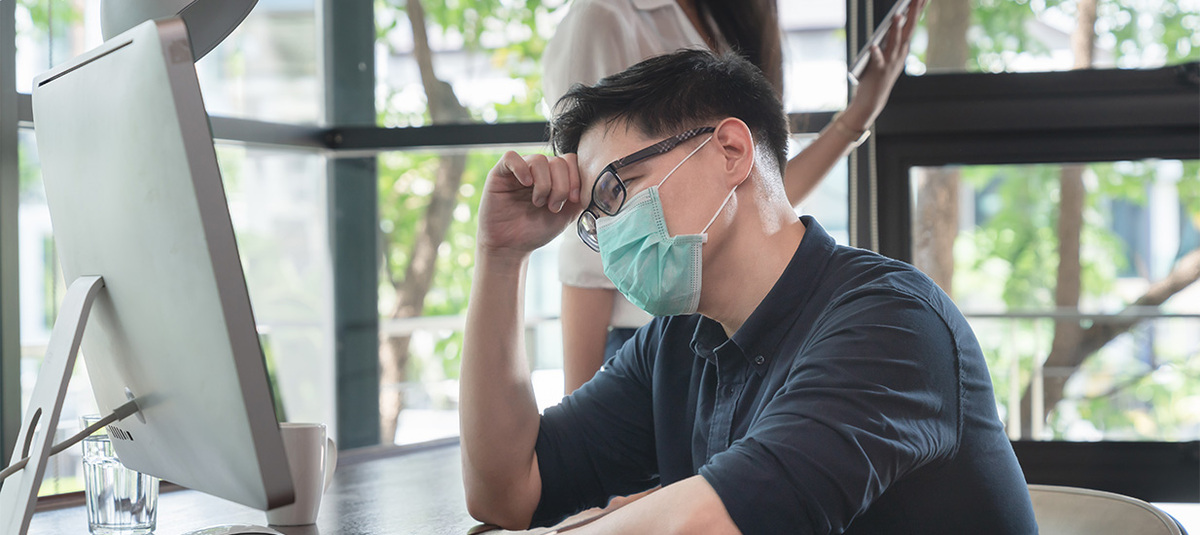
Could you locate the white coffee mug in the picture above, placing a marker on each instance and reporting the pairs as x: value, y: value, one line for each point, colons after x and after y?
x: 312, y: 458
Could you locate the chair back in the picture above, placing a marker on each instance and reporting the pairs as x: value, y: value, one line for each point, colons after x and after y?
x: 1078, y: 511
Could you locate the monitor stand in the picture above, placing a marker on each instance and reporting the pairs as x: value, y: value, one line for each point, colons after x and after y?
x: 19, y: 493
x: 35, y: 443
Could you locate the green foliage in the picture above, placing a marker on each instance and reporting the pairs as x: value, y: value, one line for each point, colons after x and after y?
x: 512, y: 35
x: 41, y: 12
x: 1189, y: 189
x: 50, y: 18
x: 1000, y: 34
x: 1017, y: 236
x: 406, y: 179
x: 1158, y: 400
x: 1009, y: 261
x: 1138, y: 32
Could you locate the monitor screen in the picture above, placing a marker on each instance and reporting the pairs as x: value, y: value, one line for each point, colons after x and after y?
x: 136, y: 197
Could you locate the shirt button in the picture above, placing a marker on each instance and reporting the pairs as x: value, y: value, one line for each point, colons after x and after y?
x: 759, y: 360
x: 729, y: 390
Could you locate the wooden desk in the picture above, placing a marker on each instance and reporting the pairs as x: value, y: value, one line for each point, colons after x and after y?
x: 415, y: 491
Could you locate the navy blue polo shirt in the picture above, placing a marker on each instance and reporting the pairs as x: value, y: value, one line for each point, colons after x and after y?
x: 855, y: 399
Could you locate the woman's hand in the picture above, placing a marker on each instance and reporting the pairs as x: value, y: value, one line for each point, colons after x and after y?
x: 875, y: 84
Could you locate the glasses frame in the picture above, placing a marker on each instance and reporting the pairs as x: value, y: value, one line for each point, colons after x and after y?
x: 588, y: 217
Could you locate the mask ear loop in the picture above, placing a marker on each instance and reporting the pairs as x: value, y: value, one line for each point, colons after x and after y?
x: 727, y: 197
x: 685, y: 158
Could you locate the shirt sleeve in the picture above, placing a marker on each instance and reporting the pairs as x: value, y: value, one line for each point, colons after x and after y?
x: 579, y: 265
x: 599, y: 442
x: 874, y: 396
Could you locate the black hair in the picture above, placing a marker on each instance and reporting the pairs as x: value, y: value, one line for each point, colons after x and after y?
x: 751, y: 27
x: 665, y: 95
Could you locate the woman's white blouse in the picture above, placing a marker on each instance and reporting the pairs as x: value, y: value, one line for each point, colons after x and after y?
x: 595, y: 39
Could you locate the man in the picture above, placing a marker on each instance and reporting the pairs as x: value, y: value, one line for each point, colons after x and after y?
x: 789, y: 384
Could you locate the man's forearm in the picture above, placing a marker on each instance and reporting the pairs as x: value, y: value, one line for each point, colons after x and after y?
x: 498, y: 412
x: 688, y: 507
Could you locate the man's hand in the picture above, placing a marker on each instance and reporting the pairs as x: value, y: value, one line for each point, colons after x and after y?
x: 875, y: 84
x: 527, y: 201
x: 805, y: 171
x: 688, y: 507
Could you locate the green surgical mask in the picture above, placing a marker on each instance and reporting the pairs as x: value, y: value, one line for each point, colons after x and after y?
x: 657, y: 272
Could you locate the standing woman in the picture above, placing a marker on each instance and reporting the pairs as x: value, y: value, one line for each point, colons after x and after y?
x: 602, y: 37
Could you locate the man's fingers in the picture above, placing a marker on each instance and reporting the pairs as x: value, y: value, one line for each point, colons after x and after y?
x: 560, y: 179
x: 552, y: 181
x: 540, y: 169
x: 576, y: 195
x: 513, y: 164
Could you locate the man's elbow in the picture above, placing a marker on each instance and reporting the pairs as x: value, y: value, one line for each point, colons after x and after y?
x: 492, y: 508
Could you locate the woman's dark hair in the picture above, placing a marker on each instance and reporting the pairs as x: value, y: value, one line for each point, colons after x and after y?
x: 665, y: 95
x: 751, y: 27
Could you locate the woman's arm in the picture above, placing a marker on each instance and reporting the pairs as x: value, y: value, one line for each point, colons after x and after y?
x: 807, y: 169
x: 585, y: 316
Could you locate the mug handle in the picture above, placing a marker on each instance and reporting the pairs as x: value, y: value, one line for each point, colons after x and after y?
x: 331, y: 458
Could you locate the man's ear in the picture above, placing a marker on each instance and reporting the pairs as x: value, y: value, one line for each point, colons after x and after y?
x: 736, y: 142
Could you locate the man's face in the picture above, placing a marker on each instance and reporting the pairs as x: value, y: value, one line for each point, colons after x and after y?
x: 689, y: 198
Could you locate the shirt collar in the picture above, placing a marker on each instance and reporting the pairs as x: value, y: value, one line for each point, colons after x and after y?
x: 774, y: 317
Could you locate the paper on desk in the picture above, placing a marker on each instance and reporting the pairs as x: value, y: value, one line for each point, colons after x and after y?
x: 581, y: 519
x: 487, y: 529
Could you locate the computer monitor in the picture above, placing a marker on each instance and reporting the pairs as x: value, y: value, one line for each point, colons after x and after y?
x: 136, y: 197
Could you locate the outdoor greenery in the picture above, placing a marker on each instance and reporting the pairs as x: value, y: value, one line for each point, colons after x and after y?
x: 1138, y: 33
x: 428, y: 201
x: 1143, y: 385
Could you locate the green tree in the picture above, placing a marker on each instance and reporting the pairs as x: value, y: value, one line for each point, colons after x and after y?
x: 1000, y: 35
x: 424, y: 196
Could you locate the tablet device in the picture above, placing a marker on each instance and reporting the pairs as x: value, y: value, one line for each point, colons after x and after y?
x: 864, y: 56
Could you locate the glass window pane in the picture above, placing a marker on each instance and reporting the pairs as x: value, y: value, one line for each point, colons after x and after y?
x: 267, y: 69
x: 490, y: 54
x: 829, y: 203
x: 277, y: 202
x: 814, y: 55
x: 1039, y: 36
x: 277, y: 205
x: 422, y: 348
x: 1079, y: 275
x: 50, y: 32
x: 41, y: 290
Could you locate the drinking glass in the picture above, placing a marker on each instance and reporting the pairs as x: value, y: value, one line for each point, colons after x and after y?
x: 120, y: 501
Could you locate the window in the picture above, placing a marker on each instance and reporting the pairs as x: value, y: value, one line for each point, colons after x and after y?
x: 1053, y: 35
x: 423, y: 305
x: 1078, y: 281
x: 267, y: 69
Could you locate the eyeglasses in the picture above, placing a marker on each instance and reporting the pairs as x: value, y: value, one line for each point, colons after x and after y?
x: 608, y: 193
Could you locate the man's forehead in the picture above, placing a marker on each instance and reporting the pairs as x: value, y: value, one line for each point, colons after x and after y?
x: 605, y: 142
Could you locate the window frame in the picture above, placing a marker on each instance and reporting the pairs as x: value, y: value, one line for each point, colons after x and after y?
x: 1095, y: 115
